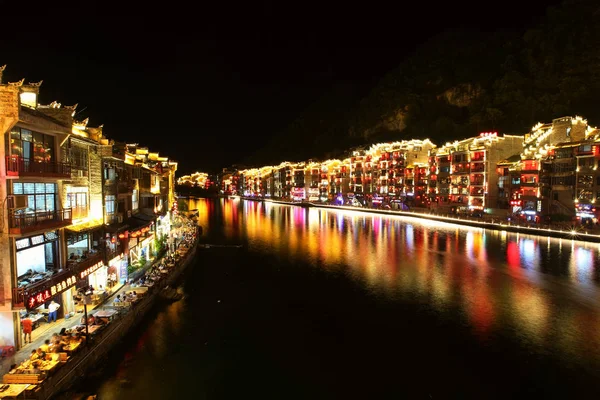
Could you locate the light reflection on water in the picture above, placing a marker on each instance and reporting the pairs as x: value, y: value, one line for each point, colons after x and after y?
x: 541, y: 293
x: 545, y: 290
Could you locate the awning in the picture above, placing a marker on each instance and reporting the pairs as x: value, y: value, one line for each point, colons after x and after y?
x: 140, y: 220
x: 145, y: 216
x: 85, y: 226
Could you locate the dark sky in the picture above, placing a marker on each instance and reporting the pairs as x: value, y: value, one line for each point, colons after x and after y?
x: 206, y: 84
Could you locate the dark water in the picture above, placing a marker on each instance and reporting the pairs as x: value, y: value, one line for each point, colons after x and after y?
x: 342, y: 305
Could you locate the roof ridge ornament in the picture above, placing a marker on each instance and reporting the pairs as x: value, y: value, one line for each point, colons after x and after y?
x: 2, y: 68
x: 17, y: 84
x: 36, y: 84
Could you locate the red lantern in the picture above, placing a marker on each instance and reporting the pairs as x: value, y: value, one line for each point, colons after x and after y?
x: 121, y: 236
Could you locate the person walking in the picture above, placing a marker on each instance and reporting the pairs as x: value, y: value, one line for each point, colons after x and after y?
x: 52, y: 311
x: 27, y: 328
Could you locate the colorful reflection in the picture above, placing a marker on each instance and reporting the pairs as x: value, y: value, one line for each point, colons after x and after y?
x: 496, y: 279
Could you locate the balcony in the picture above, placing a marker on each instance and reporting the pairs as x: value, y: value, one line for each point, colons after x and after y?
x: 17, y: 166
x: 21, y: 223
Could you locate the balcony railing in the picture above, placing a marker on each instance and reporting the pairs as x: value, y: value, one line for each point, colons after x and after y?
x: 20, y: 223
x: 79, y: 212
x: 17, y: 166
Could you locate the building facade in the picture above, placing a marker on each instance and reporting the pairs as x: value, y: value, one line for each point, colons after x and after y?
x: 69, y: 200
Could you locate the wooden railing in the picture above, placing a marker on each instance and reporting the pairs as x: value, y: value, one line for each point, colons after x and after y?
x: 22, y: 222
x: 18, y: 166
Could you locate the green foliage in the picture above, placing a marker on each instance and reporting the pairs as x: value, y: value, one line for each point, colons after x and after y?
x: 160, y: 245
x: 142, y: 261
x: 131, y: 268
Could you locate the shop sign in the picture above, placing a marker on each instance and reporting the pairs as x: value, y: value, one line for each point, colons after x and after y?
x: 123, y: 271
x: 38, y: 298
x: 90, y: 270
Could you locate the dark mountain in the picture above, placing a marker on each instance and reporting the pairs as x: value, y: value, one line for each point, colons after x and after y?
x: 459, y: 84
x: 317, y: 131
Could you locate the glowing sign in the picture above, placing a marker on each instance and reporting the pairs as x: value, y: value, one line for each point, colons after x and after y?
x: 36, y: 299
x: 90, y: 270
x: 488, y: 134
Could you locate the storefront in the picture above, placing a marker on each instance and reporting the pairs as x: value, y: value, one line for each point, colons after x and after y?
x: 60, y: 289
x: 586, y: 213
x: 298, y: 194
x: 99, y: 278
x: 141, y: 247
x: 36, y: 255
x: 117, y: 271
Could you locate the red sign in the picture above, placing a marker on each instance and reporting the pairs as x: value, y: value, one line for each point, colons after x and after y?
x: 36, y: 299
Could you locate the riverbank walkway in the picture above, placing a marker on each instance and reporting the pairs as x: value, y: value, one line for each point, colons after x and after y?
x: 47, y: 330
x: 557, y: 230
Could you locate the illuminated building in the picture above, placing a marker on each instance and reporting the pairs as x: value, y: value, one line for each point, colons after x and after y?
x: 555, y: 171
x: 62, y: 186
x: 298, y: 189
x: 312, y: 180
x: 465, y: 171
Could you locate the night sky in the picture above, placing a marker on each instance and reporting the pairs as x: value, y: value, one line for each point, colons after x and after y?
x: 207, y: 84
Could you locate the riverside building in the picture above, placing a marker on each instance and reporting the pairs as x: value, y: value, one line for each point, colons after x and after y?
x: 72, y: 201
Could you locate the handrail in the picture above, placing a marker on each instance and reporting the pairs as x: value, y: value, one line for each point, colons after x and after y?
x: 21, y: 220
x: 25, y: 166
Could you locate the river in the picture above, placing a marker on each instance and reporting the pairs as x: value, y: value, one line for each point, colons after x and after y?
x: 342, y: 304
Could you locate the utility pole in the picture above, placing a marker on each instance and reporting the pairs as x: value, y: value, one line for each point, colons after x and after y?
x: 86, y: 300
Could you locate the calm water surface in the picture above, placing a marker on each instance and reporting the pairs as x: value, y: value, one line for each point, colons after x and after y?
x: 340, y: 304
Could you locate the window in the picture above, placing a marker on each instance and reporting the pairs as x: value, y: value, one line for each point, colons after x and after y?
x: 78, y: 158
x: 31, y: 145
x: 135, y: 200
x: 40, y: 196
x: 109, y: 206
x: 110, y: 172
x: 77, y: 201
